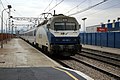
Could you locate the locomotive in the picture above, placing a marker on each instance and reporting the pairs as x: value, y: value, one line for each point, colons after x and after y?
x: 58, y: 35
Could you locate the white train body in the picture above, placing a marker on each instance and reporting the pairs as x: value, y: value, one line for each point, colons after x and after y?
x: 29, y: 35
x: 58, y: 35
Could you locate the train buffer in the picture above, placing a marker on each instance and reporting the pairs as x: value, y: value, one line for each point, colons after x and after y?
x: 20, y: 61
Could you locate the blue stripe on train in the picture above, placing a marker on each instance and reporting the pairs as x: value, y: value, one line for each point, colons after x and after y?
x: 65, y: 40
x: 62, y: 40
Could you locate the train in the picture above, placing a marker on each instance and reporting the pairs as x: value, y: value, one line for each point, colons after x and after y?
x: 59, y: 35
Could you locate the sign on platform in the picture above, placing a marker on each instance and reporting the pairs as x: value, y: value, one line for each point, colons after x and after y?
x: 101, y: 29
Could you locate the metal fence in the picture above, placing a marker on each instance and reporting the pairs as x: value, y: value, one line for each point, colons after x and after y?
x: 106, y: 39
x: 5, y: 37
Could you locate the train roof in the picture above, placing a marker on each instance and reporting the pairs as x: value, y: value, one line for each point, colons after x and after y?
x: 55, y: 18
x: 60, y: 17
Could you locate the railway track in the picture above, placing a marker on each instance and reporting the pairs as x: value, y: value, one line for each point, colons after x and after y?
x: 102, y: 53
x: 97, y: 63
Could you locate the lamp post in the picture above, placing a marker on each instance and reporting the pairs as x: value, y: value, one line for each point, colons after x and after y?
x: 9, y: 19
x: 15, y: 30
x: 7, y: 32
x: 9, y: 6
x: 84, y: 24
x: 84, y: 29
x: 12, y: 27
x: 7, y: 23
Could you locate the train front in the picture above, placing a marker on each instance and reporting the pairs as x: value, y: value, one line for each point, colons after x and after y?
x: 64, y: 35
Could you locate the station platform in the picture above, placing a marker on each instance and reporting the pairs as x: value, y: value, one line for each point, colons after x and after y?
x: 103, y: 49
x: 21, y: 61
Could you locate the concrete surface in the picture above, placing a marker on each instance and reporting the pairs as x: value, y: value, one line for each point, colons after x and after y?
x: 104, y: 49
x: 20, y: 61
x: 37, y: 73
x: 17, y: 53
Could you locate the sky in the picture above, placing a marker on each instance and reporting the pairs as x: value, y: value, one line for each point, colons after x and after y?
x: 95, y: 16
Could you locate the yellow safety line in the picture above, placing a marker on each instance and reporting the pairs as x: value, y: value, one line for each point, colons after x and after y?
x: 66, y: 73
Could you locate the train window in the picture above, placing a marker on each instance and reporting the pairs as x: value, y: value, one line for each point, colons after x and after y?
x: 64, y: 26
x: 70, y: 26
x: 59, y: 26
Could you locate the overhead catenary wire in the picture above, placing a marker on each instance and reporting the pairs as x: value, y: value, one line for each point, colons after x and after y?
x: 76, y: 6
x: 87, y: 8
x: 51, y: 8
x: 48, y: 5
x: 7, y: 1
x: 12, y: 8
x: 55, y: 5
x: 102, y: 10
x: 3, y: 8
x: 2, y: 4
x: 45, y: 9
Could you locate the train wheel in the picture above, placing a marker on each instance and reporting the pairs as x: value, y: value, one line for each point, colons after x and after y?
x: 45, y: 49
x: 36, y: 45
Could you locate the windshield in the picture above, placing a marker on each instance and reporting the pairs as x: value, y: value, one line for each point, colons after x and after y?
x: 64, y: 26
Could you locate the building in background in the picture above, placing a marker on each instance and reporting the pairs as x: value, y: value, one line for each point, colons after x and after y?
x: 92, y: 29
x: 111, y: 27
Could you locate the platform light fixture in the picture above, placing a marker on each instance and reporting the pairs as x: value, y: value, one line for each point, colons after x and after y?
x: 84, y: 23
x: 9, y: 6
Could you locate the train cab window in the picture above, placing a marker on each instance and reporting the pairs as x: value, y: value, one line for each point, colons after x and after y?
x: 70, y: 26
x: 64, y: 26
x: 59, y: 26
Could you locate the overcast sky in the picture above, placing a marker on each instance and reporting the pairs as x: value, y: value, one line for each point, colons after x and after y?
x: 33, y: 8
